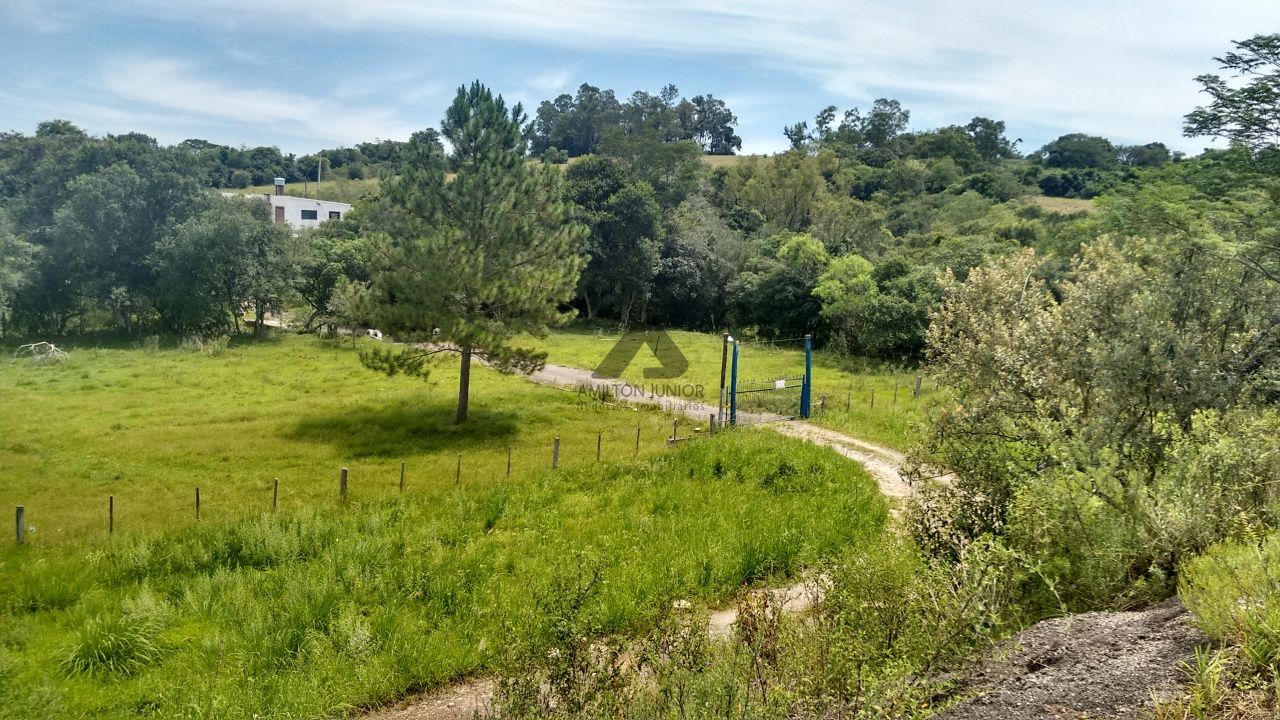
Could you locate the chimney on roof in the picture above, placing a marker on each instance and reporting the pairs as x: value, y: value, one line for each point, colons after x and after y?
x: 279, y: 186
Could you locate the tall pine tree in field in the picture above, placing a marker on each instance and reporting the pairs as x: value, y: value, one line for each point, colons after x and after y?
x: 470, y: 261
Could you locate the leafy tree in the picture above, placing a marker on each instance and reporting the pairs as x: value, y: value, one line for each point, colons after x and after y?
x: 470, y: 263
x: 875, y: 311
x: 16, y: 260
x: 1078, y: 401
x: 701, y: 254
x: 1149, y: 155
x: 575, y: 124
x: 713, y: 124
x: 103, y: 235
x: 990, y: 141
x: 950, y: 142
x: 783, y: 188
x: 775, y: 295
x: 1077, y: 150
x: 848, y: 225
x: 623, y: 245
x: 673, y: 169
x: 1246, y: 112
x: 331, y: 256
x: 214, y: 264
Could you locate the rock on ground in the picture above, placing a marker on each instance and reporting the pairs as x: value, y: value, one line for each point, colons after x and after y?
x: 1093, y: 665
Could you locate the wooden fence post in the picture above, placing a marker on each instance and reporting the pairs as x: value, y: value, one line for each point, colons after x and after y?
x: 111, y: 514
x: 401, y: 477
x: 197, y: 503
x: 916, y: 392
x: 711, y: 425
x: 508, y: 461
x: 20, y: 523
x: 599, y: 442
x: 675, y: 431
x: 822, y: 405
x: 342, y: 485
x: 895, y: 396
x: 848, y: 402
x: 637, y: 441
x: 873, y: 398
x: 275, y: 495
x: 457, y: 474
x: 555, y: 453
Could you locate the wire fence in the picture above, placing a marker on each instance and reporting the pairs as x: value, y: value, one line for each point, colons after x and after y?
x: 607, y: 447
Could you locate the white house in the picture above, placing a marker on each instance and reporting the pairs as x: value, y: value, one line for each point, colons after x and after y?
x: 302, y: 212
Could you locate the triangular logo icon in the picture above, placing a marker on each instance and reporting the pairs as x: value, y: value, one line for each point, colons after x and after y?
x: 672, y: 362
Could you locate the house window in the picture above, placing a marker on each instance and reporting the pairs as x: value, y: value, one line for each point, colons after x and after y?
x: 308, y: 214
x: 334, y: 214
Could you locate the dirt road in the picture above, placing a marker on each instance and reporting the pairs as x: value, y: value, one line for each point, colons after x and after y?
x: 1105, y: 665
x: 884, y: 464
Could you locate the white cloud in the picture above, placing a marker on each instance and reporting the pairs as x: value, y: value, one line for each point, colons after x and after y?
x: 551, y: 82
x: 41, y: 16
x: 177, y: 86
x: 1124, y: 69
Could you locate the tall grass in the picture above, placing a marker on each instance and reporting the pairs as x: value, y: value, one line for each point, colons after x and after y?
x: 321, y: 609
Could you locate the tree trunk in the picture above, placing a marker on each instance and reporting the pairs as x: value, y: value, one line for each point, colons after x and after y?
x: 464, y: 383
x: 260, y: 316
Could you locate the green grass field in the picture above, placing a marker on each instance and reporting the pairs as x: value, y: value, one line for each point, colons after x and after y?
x: 847, y: 385
x: 150, y: 426
x: 1064, y: 206
x: 326, y: 607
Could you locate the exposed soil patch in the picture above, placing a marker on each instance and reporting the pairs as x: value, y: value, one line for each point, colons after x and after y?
x: 462, y: 700
x: 1093, y: 665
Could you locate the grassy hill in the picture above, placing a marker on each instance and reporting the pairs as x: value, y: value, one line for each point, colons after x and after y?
x: 325, y: 606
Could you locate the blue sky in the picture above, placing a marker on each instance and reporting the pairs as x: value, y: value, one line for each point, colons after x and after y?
x: 307, y: 74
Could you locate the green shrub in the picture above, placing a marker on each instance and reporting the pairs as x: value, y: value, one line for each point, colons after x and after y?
x: 1233, y: 590
x: 109, y: 644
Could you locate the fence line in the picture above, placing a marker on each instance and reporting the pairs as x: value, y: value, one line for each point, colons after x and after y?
x: 345, y: 478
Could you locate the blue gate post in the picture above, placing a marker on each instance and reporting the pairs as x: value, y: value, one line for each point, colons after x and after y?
x: 806, y: 390
x: 733, y: 387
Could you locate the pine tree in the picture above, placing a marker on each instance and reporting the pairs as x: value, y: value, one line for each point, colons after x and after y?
x: 469, y: 262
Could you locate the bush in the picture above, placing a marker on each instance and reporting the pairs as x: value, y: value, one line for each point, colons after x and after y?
x: 1234, y: 592
x: 113, y: 645
x: 887, y: 624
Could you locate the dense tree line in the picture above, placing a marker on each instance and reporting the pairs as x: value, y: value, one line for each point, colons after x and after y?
x: 843, y: 236
x: 593, y: 119
x: 222, y: 166
x: 120, y: 232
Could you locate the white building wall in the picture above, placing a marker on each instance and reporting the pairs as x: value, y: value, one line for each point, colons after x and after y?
x: 294, y: 206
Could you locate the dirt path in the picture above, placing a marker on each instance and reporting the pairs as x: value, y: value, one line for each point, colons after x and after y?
x: 1094, y: 665
x: 469, y: 698
x: 884, y: 464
